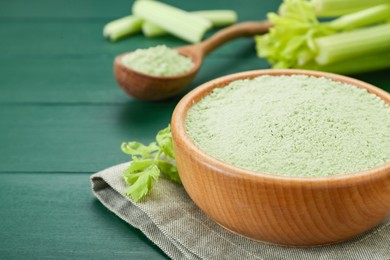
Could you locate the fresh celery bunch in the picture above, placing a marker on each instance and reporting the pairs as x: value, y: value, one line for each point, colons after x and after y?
x: 299, y: 40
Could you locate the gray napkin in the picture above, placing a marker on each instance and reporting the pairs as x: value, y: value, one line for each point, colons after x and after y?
x: 173, y: 222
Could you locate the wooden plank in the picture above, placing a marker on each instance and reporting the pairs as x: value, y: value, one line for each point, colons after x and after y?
x: 79, y: 138
x: 76, y: 9
x: 59, y: 39
x: 71, y: 80
x: 64, y: 9
x: 56, y: 216
x: 74, y: 28
x: 63, y: 39
x: 67, y: 79
x: 90, y: 80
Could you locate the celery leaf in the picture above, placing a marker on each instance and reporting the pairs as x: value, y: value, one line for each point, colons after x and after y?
x: 140, y: 150
x: 164, y: 140
x: 169, y: 170
x: 149, y: 161
x: 141, y: 182
x: 290, y: 42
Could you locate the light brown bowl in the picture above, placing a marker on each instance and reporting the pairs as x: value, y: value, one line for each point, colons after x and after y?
x: 293, y: 211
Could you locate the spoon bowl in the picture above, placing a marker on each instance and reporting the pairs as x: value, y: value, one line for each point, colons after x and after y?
x: 151, y: 88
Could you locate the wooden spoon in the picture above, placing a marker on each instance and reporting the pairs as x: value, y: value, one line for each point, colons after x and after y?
x: 148, y: 87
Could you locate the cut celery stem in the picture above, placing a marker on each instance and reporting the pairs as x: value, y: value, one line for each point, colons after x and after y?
x: 359, y: 64
x: 121, y: 27
x: 216, y: 17
x: 149, y: 29
x: 331, y: 8
x: 174, y: 20
x: 362, y: 18
x: 347, y: 45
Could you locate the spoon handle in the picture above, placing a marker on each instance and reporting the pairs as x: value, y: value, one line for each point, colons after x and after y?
x: 245, y: 29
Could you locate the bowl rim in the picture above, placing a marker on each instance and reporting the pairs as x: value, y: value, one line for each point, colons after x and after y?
x: 180, y: 136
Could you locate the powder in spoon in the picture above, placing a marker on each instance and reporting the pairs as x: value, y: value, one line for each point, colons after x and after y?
x: 293, y: 125
x: 158, y: 61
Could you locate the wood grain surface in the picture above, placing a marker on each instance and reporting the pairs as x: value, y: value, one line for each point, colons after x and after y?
x: 62, y: 117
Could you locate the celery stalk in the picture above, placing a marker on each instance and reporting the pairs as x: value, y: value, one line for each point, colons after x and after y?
x: 174, y: 20
x: 149, y: 29
x: 354, y: 43
x: 298, y: 40
x: 329, y: 8
x: 359, y: 64
x: 372, y: 15
x: 216, y: 17
x: 121, y: 27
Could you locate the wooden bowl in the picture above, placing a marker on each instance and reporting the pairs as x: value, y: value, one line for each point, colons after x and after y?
x: 292, y: 211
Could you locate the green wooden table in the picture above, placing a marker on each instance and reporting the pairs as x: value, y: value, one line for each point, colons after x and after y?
x: 62, y: 118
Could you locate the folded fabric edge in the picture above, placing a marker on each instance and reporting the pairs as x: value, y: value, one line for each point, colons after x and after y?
x: 136, y: 218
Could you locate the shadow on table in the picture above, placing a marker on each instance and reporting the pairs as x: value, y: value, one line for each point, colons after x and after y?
x: 144, y: 117
x: 375, y: 77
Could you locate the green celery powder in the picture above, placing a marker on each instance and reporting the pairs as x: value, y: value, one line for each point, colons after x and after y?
x: 293, y: 125
x: 158, y: 61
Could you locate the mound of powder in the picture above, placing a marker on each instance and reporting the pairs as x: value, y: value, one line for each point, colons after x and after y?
x: 293, y: 125
x: 158, y: 61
